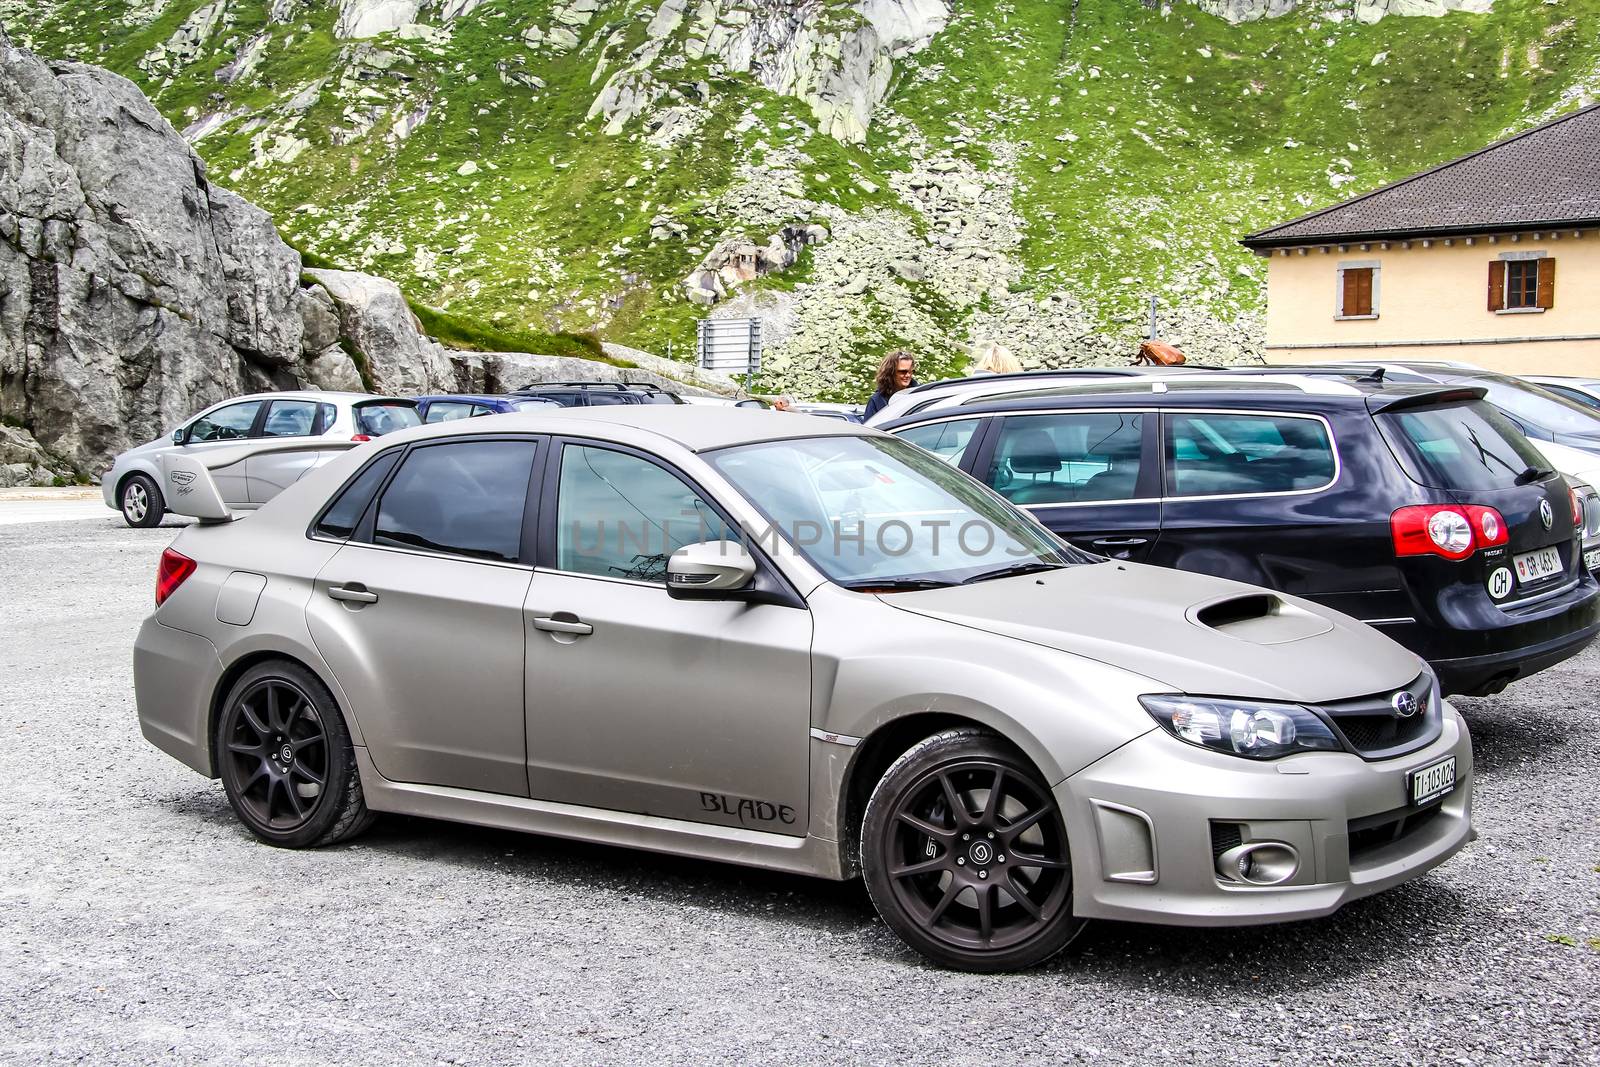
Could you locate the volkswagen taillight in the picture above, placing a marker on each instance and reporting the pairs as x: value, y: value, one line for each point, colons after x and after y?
x: 174, y: 568
x: 1449, y: 530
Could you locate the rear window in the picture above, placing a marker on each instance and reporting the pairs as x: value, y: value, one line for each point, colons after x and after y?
x: 1466, y: 445
x: 375, y: 420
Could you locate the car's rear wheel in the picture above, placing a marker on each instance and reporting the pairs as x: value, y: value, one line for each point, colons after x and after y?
x: 141, y: 502
x: 286, y: 760
x: 965, y: 855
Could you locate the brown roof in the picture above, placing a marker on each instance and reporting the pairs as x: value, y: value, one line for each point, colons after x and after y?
x: 1543, y: 178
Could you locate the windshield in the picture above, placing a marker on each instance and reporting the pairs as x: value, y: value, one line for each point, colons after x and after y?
x: 375, y: 420
x: 1539, y: 407
x: 879, y: 513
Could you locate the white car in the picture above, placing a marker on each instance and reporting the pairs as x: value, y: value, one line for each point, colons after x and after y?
x: 133, y: 484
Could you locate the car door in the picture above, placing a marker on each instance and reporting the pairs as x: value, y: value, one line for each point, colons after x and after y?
x: 1248, y: 498
x: 225, y: 427
x: 637, y: 702
x: 419, y: 614
x: 272, y: 473
x: 1092, y: 477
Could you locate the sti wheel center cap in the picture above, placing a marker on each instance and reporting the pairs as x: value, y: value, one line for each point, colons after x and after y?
x: 285, y: 753
x: 980, y: 853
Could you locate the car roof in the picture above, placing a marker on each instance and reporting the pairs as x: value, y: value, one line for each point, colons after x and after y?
x: 1264, y: 391
x: 471, y: 398
x: 694, y: 427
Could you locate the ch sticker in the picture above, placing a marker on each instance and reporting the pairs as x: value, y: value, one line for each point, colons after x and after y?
x: 1500, y: 583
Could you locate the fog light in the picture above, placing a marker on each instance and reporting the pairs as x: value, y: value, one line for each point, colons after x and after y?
x: 1259, y: 863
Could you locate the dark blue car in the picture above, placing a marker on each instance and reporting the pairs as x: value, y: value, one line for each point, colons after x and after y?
x: 452, y: 406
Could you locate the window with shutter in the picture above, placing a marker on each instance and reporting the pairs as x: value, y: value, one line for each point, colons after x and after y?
x: 1522, y: 284
x: 1355, y: 292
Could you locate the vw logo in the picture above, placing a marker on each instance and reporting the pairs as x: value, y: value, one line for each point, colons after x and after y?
x: 1405, y: 704
x: 1547, y: 514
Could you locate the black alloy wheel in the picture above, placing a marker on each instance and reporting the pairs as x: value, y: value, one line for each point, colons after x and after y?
x: 965, y: 855
x: 286, y: 760
x: 141, y: 503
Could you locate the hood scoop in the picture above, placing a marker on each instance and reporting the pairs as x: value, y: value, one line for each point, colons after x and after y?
x: 1260, y: 618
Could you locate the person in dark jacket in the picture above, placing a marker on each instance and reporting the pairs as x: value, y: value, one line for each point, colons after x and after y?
x: 895, y: 373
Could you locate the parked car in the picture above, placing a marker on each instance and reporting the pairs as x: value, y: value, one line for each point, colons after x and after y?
x: 452, y: 406
x: 133, y: 484
x: 1585, y: 391
x: 599, y: 394
x: 718, y: 635
x: 1417, y: 509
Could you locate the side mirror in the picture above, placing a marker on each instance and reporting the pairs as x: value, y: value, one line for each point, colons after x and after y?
x: 710, y: 570
x: 180, y: 435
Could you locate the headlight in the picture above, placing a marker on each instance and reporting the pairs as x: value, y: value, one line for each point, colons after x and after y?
x: 1249, y: 728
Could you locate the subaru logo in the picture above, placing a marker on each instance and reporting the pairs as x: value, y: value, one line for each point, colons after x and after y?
x: 1547, y: 514
x: 1405, y: 704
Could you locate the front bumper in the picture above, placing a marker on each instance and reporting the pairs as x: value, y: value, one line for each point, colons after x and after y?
x: 1140, y: 822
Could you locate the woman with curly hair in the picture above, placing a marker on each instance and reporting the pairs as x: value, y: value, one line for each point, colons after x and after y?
x: 894, y: 374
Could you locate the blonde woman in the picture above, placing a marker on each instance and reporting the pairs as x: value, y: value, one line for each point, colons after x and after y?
x: 991, y: 357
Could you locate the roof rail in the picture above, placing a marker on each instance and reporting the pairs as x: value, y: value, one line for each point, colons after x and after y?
x: 649, y: 387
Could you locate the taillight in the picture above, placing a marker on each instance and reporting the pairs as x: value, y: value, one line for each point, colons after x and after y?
x: 175, y: 567
x: 1454, y: 532
x: 362, y: 437
x: 1577, y: 509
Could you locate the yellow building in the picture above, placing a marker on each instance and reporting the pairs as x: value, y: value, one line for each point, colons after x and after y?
x: 1456, y: 263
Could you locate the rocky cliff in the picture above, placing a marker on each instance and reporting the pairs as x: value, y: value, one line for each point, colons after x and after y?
x: 859, y: 173
x: 134, y: 291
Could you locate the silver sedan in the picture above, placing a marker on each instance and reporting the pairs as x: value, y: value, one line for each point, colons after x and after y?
x: 798, y: 644
x: 133, y: 483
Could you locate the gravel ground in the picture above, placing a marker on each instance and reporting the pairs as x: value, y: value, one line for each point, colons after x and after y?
x: 140, y: 923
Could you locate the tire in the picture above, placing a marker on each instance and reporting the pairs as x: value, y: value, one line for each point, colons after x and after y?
x: 279, y: 733
x: 953, y: 886
x: 141, y: 502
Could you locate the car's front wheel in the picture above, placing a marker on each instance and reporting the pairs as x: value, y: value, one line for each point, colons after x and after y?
x: 965, y: 855
x: 141, y: 502
x: 286, y: 761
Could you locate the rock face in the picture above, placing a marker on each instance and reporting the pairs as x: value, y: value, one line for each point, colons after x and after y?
x: 133, y: 292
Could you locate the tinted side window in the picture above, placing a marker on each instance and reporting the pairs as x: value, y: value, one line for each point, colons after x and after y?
x: 1211, y: 454
x: 1055, y: 459
x: 947, y: 440
x: 599, y: 399
x: 448, y: 412
x: 621, y: 516
x: 377, y: 419
x: 465, y: 498
x: 342, y: 519
x: 290, y: 418
x: 226, y: 424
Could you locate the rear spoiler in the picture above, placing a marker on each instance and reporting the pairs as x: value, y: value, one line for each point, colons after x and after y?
x: 190, y: 490
x: 1378, y: 403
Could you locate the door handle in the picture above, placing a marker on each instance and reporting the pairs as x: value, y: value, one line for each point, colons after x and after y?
x: 354, y: 593
x: 1119, y: 542
x: 568, y: 625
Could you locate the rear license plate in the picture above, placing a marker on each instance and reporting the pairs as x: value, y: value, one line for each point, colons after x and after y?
x: 1533, y: 566
x: 1591, y: 559
x: 1432, y: 781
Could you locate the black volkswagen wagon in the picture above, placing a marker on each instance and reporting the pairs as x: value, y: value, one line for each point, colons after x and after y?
x: 1417, y: 509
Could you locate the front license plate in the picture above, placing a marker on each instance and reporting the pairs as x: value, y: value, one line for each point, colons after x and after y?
x: 1533, y: 566
x: 1433, y: 781
x: 1591, y: 559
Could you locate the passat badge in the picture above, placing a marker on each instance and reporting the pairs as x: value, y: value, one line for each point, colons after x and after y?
x: 1405, y: 704
x: 1547, y: 514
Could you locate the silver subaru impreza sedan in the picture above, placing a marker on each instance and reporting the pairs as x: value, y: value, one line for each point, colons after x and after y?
x: 793, y: 643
